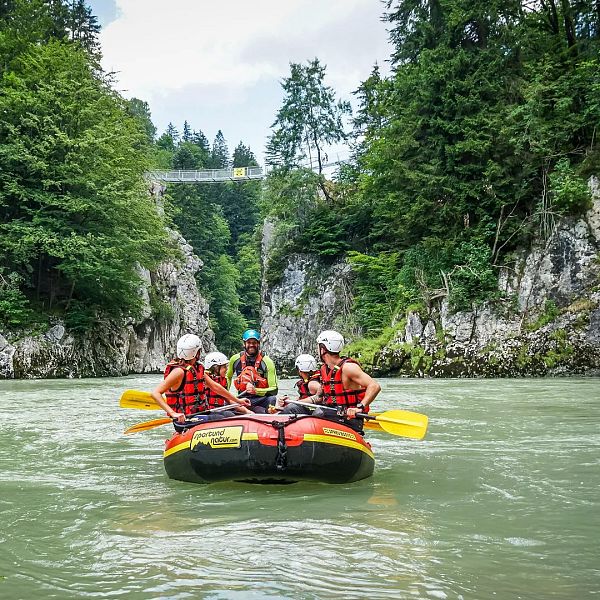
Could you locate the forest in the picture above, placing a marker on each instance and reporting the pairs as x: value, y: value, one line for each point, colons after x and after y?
x: 482, y: 135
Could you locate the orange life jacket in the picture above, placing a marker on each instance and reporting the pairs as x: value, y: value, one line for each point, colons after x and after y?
x: 190, y: 397
x: 249, y: 373
x: 213, y: 398
x: 334, y: 393
x: 302, y: 385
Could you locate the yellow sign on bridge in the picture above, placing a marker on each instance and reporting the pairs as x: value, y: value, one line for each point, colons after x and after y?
x: 239, y: 172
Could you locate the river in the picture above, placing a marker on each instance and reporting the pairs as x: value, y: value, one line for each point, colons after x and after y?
x: 501, y: 500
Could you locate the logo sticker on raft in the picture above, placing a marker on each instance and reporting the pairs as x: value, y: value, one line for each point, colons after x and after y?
x: 336, y: 432
x: 220, y: 437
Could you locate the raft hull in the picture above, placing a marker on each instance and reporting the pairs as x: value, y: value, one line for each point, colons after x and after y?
x: 252, y: 449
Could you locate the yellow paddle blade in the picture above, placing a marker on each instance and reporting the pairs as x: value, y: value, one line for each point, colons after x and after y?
x: 403, y: 423
x: 138, y: 399
x: 147, y: 425
x: 374, y: 425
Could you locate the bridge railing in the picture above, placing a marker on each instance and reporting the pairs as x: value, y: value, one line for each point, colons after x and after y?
x: 209, y: 175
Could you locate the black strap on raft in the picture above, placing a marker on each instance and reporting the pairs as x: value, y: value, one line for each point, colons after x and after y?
x: 281, y: 458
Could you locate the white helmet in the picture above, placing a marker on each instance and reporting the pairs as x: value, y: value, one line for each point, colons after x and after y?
x: 188, y: 346
x: 332, y: 340
x: 215, y: 358
x: 306, y: 363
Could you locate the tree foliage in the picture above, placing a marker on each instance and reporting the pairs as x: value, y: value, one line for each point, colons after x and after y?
x: 483, y: 133
x: 308, y: 121
x: 75, y: 215
x: 219, y: 221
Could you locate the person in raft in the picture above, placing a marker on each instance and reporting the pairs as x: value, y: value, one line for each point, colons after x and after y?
x: 253, y: 374
x: 186, y: 382
x: 344, y: 385
x: 215, y: 365
x: 308, y: 385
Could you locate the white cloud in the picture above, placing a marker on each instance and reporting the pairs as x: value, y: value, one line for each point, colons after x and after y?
x: 195, y: 59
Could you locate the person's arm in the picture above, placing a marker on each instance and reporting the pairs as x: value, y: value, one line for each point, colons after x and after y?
x: 221, y: 391
x: 172, y: 381
x: 271, y: 379
x: 357, y: 376
x: 314, y: 386
x: 230, y: 372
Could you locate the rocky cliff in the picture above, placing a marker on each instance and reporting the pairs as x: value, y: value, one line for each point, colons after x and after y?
x: 548, y: 324
x: 172, y: 306
x: 311, y: 296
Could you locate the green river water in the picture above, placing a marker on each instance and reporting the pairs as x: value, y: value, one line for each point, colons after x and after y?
x: 501, y: 500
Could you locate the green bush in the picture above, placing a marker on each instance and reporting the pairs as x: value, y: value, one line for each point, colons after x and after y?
x: 570, y: 193
x: 549, y: 313
x: 162, y: 311
x: 15, y: 310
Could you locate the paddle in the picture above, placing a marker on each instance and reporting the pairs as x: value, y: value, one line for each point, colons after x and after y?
x: 138, y: 399
x: 373, y: 425
x: 147, y: 425
x: 158, y: 422
x: 397, y: 422
x: 143, y: 400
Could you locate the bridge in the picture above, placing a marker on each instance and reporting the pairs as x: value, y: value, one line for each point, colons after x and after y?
x: 208, y: 175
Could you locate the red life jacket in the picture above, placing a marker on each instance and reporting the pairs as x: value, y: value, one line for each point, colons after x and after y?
x: 249, y: 373
x: 334, y: 393
x: 213, y: 398
x: 302, y: 385
x: 190, y: 397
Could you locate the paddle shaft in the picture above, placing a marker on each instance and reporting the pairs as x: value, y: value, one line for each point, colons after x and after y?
x: 378, y: 417
x: 146, y: 425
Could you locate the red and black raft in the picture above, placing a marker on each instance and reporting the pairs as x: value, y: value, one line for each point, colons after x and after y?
x: 269, y: 449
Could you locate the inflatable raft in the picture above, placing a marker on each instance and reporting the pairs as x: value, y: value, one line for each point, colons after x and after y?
x: 269, y: 449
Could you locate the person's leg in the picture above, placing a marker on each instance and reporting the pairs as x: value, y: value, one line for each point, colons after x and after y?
x: 260, y: 404
x: 295, y: 409
x: 222, y: 414
x: 356, y: 424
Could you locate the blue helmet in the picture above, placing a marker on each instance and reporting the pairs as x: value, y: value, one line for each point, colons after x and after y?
x: 250, y: 334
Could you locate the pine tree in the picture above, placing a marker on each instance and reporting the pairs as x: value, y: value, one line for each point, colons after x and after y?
x: 83, y: 26
x: 243, y: 156
x: 187, y: 132
x: 219, y: 156
x: 169, y: 139
x: 141, y: 111
x: 309, y: 120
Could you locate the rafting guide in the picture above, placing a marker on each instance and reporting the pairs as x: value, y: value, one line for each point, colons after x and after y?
x: 253, y: 374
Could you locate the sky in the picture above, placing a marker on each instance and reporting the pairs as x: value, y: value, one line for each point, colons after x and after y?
x: 219, y: 64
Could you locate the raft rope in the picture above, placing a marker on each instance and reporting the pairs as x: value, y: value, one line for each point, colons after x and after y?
x: 281, y: 458
x: 279, y: 426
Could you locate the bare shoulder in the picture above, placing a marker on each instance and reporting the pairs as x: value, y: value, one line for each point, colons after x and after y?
x: 352, y: 368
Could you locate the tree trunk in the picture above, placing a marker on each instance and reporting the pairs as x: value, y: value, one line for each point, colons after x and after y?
x: 549, y: 7
x: 569, y: 24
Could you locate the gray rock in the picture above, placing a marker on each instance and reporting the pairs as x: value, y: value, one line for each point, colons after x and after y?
x: 414, y: 328
x: 310, y: 297
x: 140, y: 346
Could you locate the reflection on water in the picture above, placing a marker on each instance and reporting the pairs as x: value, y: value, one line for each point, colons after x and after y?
x: 500, y: 500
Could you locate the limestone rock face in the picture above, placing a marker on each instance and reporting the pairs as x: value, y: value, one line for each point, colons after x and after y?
x: 563, y: 272
x: 310, y: 297
x: 172, y: 306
